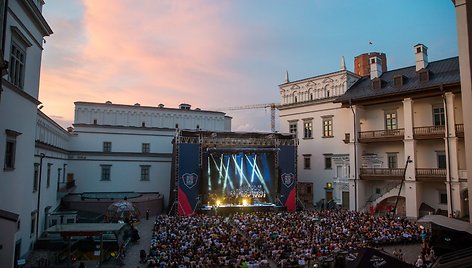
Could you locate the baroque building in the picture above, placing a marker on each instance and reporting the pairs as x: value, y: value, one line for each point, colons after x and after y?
x: 307, y: 109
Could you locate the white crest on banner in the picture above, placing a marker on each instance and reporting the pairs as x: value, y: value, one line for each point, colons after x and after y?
x: 190, y: 179
x: 288, y: 179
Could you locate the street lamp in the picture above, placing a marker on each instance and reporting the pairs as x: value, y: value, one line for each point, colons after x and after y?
x: 41, y: 157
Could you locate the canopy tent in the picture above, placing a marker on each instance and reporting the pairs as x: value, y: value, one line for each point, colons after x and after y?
x: 119, y: 231
x: 122, y: 210
x: 448, y: 234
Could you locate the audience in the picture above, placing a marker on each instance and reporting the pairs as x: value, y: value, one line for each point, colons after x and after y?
x: 251, y: 239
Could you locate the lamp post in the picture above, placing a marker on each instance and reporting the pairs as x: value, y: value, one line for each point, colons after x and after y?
x: 41, y: 157
x: 401, y: 184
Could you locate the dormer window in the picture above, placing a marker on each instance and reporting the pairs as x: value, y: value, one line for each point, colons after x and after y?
x: 423, y: 75
x: 398, y: 80
x: 376, y: 83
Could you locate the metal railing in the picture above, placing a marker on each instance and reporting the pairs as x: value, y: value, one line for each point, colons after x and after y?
x: 394, y: 172
x: 459, y: 129
x: 381, y: 134
x: 384, y: 190
x: 431, y: 172
x: 429, y: 131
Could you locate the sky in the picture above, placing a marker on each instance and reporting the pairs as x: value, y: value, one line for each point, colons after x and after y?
x: 221, y: 53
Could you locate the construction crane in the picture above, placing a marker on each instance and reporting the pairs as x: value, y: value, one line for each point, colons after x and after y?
x: 272, y: 106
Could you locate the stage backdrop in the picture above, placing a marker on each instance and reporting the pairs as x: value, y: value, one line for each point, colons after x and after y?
x: 189, y: 172
x: 288, y: 177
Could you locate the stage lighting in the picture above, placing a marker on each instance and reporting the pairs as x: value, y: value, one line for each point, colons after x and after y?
x: 218, y: 202
x: 244, y: 202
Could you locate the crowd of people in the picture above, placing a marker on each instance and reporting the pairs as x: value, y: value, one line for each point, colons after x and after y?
x: 255, y: 239
x: 201, y: 241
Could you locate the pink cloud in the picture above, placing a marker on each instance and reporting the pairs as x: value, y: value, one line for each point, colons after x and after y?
x: 149, y: 52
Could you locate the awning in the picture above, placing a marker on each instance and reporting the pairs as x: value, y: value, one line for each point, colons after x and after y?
x: 450, y: 223
x: 85, y: 229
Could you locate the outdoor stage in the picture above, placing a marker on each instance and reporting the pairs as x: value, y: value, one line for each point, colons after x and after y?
x: 230, y: 172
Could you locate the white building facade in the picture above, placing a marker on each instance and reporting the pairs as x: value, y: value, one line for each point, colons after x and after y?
x: 25, y: 28
x: 307, y: 109
x: 122, y: 148
x: 50, y: 167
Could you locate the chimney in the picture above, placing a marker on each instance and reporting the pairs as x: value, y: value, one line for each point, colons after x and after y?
x: 421, y: 55
x: 375, y: 67
x: 343, y: 64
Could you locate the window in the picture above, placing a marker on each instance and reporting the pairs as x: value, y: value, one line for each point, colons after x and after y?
x: 292, y: 127
x: 35, y: 177
x: 328, y: 127
x: 398, y: 80
x: 33, y: 223
x: 307, y: 129
x: 17, y: 64
x: 328, y: 163
x: 106, y: 172
x: 58, y: 176
x: 48, y: 178
x: 391, y: 120
x: 442, y: 198
x: 307, y: 161
x: 146, y: 147
x: 107, y: 146
x: 145, y: 173
x: 441, y: 159
x: 10, y: 149
x: 392, y: 160
x: 438, y: 116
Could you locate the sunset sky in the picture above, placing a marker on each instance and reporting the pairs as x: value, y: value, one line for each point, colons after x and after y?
x: 221, y: 53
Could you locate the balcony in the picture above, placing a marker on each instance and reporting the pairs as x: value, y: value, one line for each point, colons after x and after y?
x: 460, y: 130
x: 431, y: 174
x: 381, y: 135
x: 381, y: 173
x: 430, y: 132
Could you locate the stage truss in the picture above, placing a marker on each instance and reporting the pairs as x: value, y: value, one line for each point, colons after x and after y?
x: 191, y: 145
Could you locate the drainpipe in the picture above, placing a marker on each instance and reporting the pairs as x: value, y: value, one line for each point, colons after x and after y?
x: 441, y: 87
x: 41, y: 157
x: 355, y: 155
